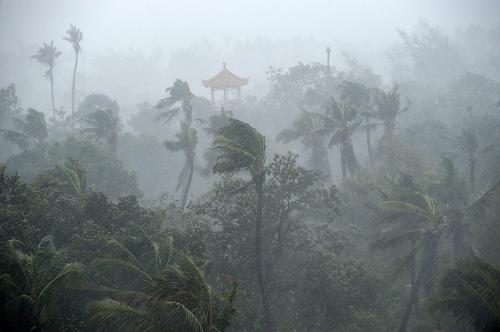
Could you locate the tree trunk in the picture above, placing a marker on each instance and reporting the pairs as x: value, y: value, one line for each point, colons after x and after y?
x: 319, y: 161
x: 113, y: 143
x: 342, y: 162
x: 412, y: 300
x: 426, y: 267
x: 369, y: 144
x: 413, y: 277
x: 73, y: 85
x: 458, y: 241
x: 188, y: 113
x: 472, y: 173
x: 350, y: 158
x: 389, y: 128
x: 52, y: 93
x: 259, y: 190
x: 185, y: 192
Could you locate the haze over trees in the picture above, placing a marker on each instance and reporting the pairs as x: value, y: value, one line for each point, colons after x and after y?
x: 329, y: 193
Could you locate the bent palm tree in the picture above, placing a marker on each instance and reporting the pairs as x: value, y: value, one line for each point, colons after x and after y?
x: 471, y: 292
x: 305, y: 128
x: 388, y: 108
x: 400, y: 236
x: 32, y: 130
x: 469, y: 143
x: 451, y: 191
x: 74, y: 37
x: 175, y: 297
x: 420, y: 219
x: 179, y: 99
x: 47, y: 56
x: 30, y: 285
x: 433, y: 222
x: 212, y: 126
x: 340, y: 122
x: 186, y: 142
x: 359, y: 96
x: 103, y: 125
x: 241, y: 148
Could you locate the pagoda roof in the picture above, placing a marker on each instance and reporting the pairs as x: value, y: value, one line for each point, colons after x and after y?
x: 225, y: 79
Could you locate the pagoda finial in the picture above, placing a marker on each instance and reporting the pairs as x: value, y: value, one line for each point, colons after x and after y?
x: 224, y: 65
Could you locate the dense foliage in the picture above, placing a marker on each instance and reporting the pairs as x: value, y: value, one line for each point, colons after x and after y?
x: 326, y: 205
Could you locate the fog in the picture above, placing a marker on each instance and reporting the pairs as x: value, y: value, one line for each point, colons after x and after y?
x: 154, y: 40
x: 250, y: 165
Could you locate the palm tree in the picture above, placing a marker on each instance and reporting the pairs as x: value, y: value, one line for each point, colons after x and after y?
x: 74, y: 37
x: 340, y: 122
x: 31, y: 130
x: 400, y: 235
x: 471, y: 292
x: 47, y: 56
x: 359, y: 96
x: 241, y: 148
x: 75, y: 174
x: 469, y: 143
x: 31, y: 285
x: 212, y: 126
x: 169, y: 296
x: 186, y: 142
x: 305, y: 128
x: 450, y: 190
x: 421, y: 221
x: 388, y: 108
x: 103, y: 125
x: 427, y: 221
x: 180, y: 99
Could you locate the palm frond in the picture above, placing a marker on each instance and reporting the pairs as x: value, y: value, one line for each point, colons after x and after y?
x: 107, y: 314
x: 470, y: 291
x: 102, y: 263
x: 490, y: 198
x: 69, y: 274
x: 119, y: 250
x: 239, y: 147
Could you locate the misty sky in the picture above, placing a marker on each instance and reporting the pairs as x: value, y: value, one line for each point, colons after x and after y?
x: 158, y: 41
x: 168, y: 24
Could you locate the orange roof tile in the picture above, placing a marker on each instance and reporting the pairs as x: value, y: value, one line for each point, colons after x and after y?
x: 225, y: 79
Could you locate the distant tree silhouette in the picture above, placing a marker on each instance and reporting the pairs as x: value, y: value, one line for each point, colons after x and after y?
x: 47, y: 56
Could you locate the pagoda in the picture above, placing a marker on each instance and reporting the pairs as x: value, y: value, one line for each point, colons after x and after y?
x: 225, y: 88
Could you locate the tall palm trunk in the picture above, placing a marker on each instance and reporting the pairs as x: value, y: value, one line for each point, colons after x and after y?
x: 389, y: 128
x: 319, y: 161
x: 51, y: 77
x: 350, y: 160
x: 472, y: 173
x: 412, y: 300
x: 73, y: 85
x: 342, y: 162
x: 413, y: 277
x: 426, y: 267
x: 259, y: 190
x: 369, y: 144
x: 458, y: 241
x: 185, y: 192
x: 113, y: 143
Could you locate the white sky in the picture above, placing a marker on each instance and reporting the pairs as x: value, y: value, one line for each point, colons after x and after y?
x: 147, y: 24
x: 129, y: 45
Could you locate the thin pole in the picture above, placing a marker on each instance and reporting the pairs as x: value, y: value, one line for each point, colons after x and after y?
x: 328, y: 51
